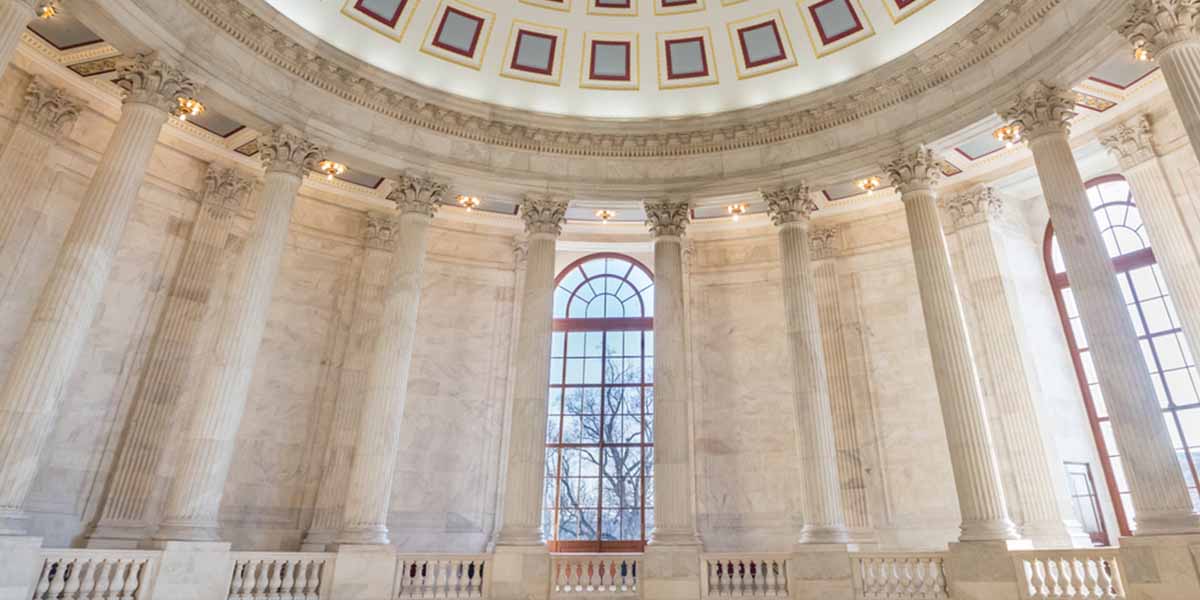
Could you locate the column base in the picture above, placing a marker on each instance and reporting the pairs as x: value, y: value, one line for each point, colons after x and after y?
x: 821, y: 572
x: 192, y: 570
x: 364, y: 572
x: 984, y: 569
x: 520, y: 572
x: 187, y: 531
x: 125, y: 536
x: 670, y: 570
x: 318, y: 540
x: 514, y: 537
x: 824, y: 535
x: 1056, y: 534
x: 671, y: 537
x: 374, y: 535
x: 1163, y: 567
x: 988, y: 531
x: 20, y: 567
x: 1173, y: 523
x: 13, y: 522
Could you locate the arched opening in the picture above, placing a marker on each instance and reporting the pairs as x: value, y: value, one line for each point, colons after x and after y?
x: 599, y: 487
x: 1166, y: 352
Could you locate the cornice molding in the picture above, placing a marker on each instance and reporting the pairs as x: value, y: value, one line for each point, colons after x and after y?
x: 1010, y: 20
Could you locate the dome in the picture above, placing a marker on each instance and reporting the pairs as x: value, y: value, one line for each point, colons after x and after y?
x: 626, y: 58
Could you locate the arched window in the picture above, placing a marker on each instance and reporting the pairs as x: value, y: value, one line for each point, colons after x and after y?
x: 600, y: 432
x: 1164, y: 348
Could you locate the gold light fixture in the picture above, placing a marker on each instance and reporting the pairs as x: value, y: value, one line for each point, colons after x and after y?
x: 46, y: 10
x: 868, y: 185
x: 736, y: 210
x: 188, y: 107
x: 605, y: 215
x: 469, y: 202
x: 1140, y: 52
x: 331, y: 169
x: 1009, y: 134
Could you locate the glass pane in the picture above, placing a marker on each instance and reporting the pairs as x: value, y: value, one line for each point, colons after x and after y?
x: 556, y: 372
x: 575, y: 344
x: 1183, y: 392
x: 1145, y: 283
x: 633, y: 343
x: 556, y: 344
x: 595, y: 344
x: 1157, y: 318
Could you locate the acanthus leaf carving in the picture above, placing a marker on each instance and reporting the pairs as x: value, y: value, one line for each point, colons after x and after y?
x: 1157, y: 25
x: 226, y: 189
x: 914, y: 170
x: 543, y: 213
x: 146, y: 79
x: 382, y: 230
x: 789, y: 204
x: 667, y: 218
x: 974, y: 206
x: 49, y: 109
x: 824, y: 242
x: 284, y: 150
x: 1131, y: 143
x: 417, y: 194
x: 1041, y: 109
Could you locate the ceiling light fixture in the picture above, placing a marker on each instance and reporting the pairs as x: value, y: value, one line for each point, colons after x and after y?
x: 331, y: 169
x: 469, y: 202
x: 736, y: 210
x: 46, y: 9
x: 1140, y: 52
x: 605, y: 215
x: 188, y: 107
x: 1009, y: 134
x: 868, y: 185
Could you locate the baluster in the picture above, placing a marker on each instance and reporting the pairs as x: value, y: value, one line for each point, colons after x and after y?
x: 87, y: 581
x: 249, y: 580
x: 1060, y: 577
x: 102, y: 580
x: 287, y: 590
x: 312, y: 587
x: 300, y: 585
x: 1115, y: 587
x: 133, y: 578
x: 471, y: 570
x: 60, y: 580
x: 235, y: 581
x: 71, y: 581
x: 1038, y: 579
x: 118, y: 580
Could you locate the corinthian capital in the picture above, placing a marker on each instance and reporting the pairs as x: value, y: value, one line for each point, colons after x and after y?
x: 974, y: 206
x: 417, y: 194
x: 382, y: 230
x: 543, y: 213
x: 148, y: 80
x: 284, y: 151
x: 789, y: 204
x: 1131, y: 143
x: 225, y: 189
x: 1041, y: 109
x: 1156, y: 25
x: 824, y: 242
x: 914, y: 170
x: 49, y: 109
x: 667, y: 217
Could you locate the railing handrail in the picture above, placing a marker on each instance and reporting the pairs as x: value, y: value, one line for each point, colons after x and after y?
x: 593, y: 554
x: 259, y: 555
x: 1102, y: 552
x: 432, y: 556
x: 745, y: 555
x: 900, y: 554
x: 100, y: 553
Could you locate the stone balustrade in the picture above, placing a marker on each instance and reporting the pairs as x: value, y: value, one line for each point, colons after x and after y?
x: 1076, y: 573
x: 742, y: 575
x: 441, y: 576
x: 899, y: 576
x: 95, y: 575
x: 597, y: 575
x: 278, y: 576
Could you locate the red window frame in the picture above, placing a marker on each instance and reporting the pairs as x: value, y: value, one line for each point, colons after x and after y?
x: 604, y: 326
x: 1123, y: 265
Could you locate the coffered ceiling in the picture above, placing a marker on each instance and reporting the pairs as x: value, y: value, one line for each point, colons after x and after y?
x: 626, y: 58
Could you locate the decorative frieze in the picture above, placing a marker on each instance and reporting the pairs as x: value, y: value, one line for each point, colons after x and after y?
x: 1156, y: 25
x: 148, y: 80
x: 543, y: 213
x: 1041, y: 109
x: 284, y: 151
x: 991, y: 35
x: 789, y: 204
x: 382, y: 230
x: 916, y: 170
x: 417, y: 194
x: 667, y: 217
x: 974, y: 206
x: 49, y: 109
x: 1131, y: 143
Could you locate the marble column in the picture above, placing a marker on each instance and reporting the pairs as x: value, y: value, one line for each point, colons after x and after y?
x: 674, y: 477
x: 218, y: 398
x: 1132, y: 145
x: 46, y: 118
x: 525, y: 477
x: 1011, y: 390
x: 1167, y: 30
x: 972, y: 455
x: 46, y: 357
x: 824, y: 248
x: 127, y: 503
x: 1160, y: 496
x: 369, y: 493
x: 15, y: 16
x: 821, y: 499
x: 380, y: 234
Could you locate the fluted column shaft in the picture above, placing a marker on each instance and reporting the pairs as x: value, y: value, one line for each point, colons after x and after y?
x: 972, y: 455
x: 674, y: 477
x: 1180, y: 64
x: 219, y: 398
x: 369, y: 494
x: 527, y: 437
x: 824, y: 518
x: 352, y: 385
x: 15, y: 16
x: 48, y: 352
x: 170, y: 356
x: 1159, y: 493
